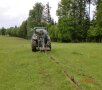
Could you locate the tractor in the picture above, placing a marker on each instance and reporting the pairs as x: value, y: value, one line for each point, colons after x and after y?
x: 40, y: 40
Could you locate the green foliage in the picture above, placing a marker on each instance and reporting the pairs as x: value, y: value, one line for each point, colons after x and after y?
x: 99, y: 20
x: 22, y: 32
x: 0, y: 31
x: 95, y: 31
x: 65, y: 26
x: 53, y: 32
x: 64, y: 8
x: 92, y: 33
x: 35, y: 15
x: 18, y: 31
x: 12, y: 31
x: 73, y: 21
x: 35, y: 18
x: 3, y: 31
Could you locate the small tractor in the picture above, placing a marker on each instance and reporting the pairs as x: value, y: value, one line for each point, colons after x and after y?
x: 40, y: 40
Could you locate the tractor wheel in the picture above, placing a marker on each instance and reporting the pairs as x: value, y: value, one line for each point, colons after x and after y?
x: 34, y: 44
x: 50, y: 47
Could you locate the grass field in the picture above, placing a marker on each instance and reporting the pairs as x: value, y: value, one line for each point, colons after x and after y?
x: 69, y: 66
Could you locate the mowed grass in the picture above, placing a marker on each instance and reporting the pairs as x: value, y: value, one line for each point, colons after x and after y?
x: 22, y: 69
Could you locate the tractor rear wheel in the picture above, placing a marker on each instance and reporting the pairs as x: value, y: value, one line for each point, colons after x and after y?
x: 50, y: 47
x: 34, y: 44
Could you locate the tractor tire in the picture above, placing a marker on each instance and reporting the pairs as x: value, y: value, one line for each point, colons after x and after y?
x: 50, y: 47
x: 34, y: 44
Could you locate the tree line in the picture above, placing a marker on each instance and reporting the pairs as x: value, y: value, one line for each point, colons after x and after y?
x: 39, y: 16
x: 74, y: 22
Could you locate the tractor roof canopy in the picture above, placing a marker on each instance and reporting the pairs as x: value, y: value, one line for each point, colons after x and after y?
x: 41, y: 31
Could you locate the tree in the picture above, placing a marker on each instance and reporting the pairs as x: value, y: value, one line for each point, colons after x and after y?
x: 64, y: 8
x: 77, y: 12
x: 12, y: 31
x: 0, y: 31
x: 23, y: 30
x: 99, y: 20
x: 53, y: 32
x: 35, y: 18
x: 65, y: 26
x: 3, y: 31
x: 92, y: 31
x: 46, y: 14
x: 65, y: 23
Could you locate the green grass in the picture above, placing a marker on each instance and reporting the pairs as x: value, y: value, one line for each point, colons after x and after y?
x: 22, y: 69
